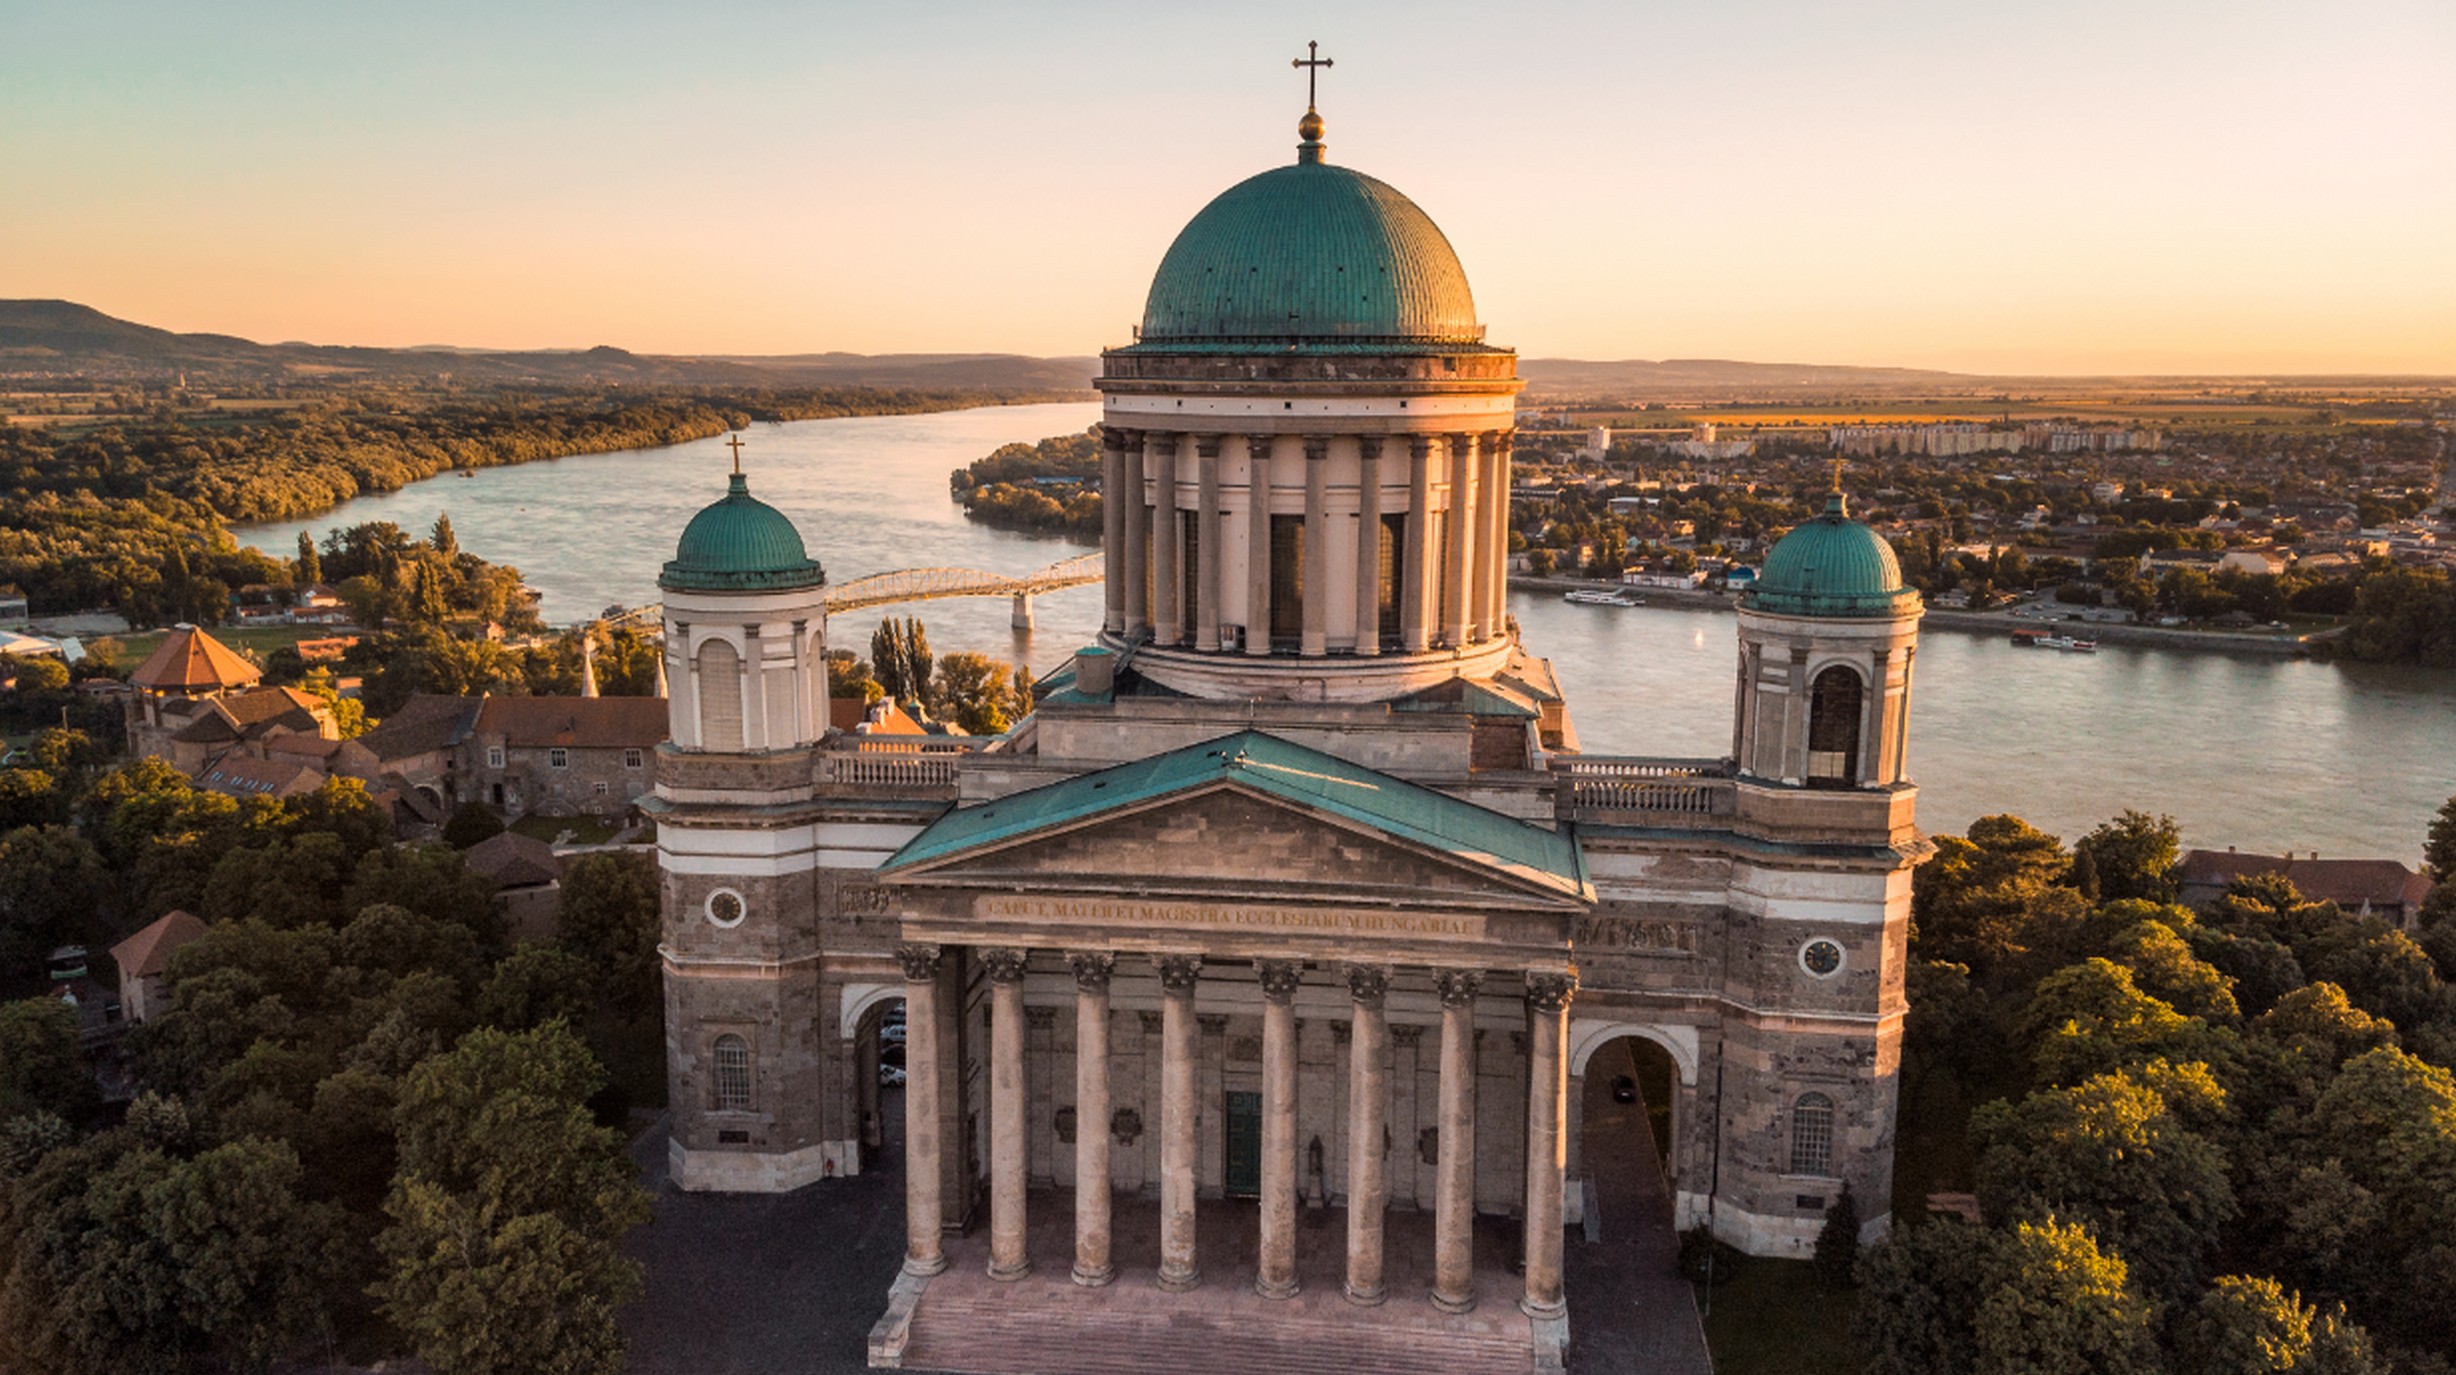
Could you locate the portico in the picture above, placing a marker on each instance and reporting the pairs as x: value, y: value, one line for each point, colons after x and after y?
x: 1381, y: 1050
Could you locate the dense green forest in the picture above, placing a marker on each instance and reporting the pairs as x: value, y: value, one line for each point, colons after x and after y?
x: 2204, y: 1143
x: 367, y: 1125
x: 1052, y: 487
x: 129, y: 514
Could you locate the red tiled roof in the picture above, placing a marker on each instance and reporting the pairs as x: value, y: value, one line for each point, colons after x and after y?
x: 509, y: 859
x: 2349, y: 883
x: 244, y: 775
x: 579, y: 722
x: 425, y: 723
x: 149, y: 951
x: 845, y: 713
x: 191, y: 660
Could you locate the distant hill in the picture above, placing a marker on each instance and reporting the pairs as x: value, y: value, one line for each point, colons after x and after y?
x: 64, y: 339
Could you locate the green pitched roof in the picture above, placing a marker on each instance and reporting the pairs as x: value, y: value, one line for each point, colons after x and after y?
x: 740, y: 544
x: 1310, y: 252
x: 1832, y: 566
x: 1274, y: 768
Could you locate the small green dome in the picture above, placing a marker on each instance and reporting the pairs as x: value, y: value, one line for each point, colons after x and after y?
x: 740, y: 544
x: 1310, y: 252
x: 1832, y: 566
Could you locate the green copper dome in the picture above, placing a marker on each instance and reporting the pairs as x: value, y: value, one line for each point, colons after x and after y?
x: 740, y: 544
x: 1310, y: 252
x: 1832, y: 566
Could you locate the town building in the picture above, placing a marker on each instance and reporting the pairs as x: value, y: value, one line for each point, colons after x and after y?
x: 2381, y: 888
x: 1295, y: 893
x: 144, y: 961
x: 562, y: 756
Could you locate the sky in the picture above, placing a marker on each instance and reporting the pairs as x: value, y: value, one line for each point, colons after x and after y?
x: 2007, y: 186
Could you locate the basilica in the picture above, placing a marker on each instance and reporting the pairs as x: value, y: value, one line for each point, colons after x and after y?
x: 1274, y: 964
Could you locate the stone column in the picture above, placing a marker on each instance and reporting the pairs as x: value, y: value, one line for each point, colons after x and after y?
x: 1091, y: 972
x: 1869, y: 766
x: 1168, y: 597
x: 1368, y: 1123
x: 1499, y: 502
x: 1368, y: 545
x: 1315, y: 575
x: 924, y: 1215
x: 1207, y: 547
x: 1454, y: 1174
x: 1457, y: 596
x: 1179, y: 1269
x: 1258, y: 545
x: 1546, y: 1117
x: 1113, y: 525
x: 1492, y: 543
x: 1416, y: 597
x: 1132, y: 566
x: 1009, y: 1153
x: 1275, y: 1278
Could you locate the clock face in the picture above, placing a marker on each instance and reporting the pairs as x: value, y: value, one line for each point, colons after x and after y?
x: 725, y: 907
x: 1820, y: 957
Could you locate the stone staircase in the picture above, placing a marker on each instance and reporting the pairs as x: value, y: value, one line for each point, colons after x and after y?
x: 1010, y: 1334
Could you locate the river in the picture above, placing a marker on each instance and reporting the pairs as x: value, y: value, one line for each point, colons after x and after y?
x: 2262, y: 753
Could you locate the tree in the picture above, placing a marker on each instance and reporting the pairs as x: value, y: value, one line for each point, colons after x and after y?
x: 2061, y: 1306
x: 2090, y: 1018
x: 308, y: 570
x: 537, y: 984
x: 889, y: 663
x: 2114, y: 1154
x: 917, y: 659
x: 2252, y: 1325
x: 40, y: 1067
x: 1837, y: 1242
x: 470, y: 823
x: 443, y: 540
x: 433, y: 881
x: 2439, y: 852
x: 977, y: 693
x: 53, y: 891
x: 1918, y: 1293
x: 2134, y: 856
x: 508, y: 1211
x: 41, y: 673
x: 609, y: 915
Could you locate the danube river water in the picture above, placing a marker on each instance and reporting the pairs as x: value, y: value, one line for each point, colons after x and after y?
x: 2262, y: 753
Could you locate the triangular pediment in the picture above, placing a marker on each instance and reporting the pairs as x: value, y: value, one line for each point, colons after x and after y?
x: 1254, y: 817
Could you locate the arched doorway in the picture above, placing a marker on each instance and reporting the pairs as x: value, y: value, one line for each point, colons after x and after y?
x: 1834, y: 704
x: 878, y: 1071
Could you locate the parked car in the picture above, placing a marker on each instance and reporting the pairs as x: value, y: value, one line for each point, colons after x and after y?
x: 891, y: 1035
x: 1624, y: 1090
x: 891, y: 1076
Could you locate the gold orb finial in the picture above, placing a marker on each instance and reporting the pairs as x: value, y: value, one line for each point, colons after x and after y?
x: 1310, y: 127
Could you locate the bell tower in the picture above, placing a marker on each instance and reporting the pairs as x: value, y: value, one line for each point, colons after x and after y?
x: 1827, y: 638
x: 745, y: 661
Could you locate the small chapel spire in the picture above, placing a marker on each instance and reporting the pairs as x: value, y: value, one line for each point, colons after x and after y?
x: 1309, y: 128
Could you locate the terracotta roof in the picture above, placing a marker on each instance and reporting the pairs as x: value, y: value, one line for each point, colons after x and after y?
x: 303, y: 745
x: 2349, y: 883
x: 244, y: 775
x: 190, y: 660
x: 252, y: 713
x: 425, y: 723
x: 582, y: 722
x: 149, y: 951
x: 883, y: 717
x: 512, y: 860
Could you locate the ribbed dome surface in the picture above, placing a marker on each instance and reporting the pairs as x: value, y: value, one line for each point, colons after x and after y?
x: 1310, y: 252
x: 1832, y: 566
x: 740, y: 544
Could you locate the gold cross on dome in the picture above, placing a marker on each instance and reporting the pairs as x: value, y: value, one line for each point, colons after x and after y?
x: 735, y: 443
x: 1312, y: 61
x: 1837, y: 475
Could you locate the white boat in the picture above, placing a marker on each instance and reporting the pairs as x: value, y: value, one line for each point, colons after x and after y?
x: 2066, y: 642
x: 1595, y: 596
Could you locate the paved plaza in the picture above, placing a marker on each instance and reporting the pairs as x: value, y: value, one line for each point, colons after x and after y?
x: 771, y: 1284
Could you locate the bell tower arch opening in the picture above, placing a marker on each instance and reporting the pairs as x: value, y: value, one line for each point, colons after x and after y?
x: 1836, y: 701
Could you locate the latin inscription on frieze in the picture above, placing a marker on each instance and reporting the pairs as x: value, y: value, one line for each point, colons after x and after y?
x: 1228, y: 916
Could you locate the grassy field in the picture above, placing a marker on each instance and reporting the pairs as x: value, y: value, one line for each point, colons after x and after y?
x: 258, y: 640
x: 1773, y: 1319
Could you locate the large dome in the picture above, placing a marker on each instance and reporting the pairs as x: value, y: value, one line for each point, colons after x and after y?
x: 1832, y: 566
x: 1310, y: 252
x: 740, y: 544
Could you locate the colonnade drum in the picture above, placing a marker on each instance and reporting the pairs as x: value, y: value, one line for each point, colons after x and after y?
x: 1468, y: 1031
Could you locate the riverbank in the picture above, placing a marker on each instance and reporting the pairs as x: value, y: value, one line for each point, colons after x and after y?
x: 1973, y: 622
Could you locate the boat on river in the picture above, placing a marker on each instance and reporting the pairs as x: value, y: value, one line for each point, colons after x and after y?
x: 2040, y: 639
x: 1596, y: 596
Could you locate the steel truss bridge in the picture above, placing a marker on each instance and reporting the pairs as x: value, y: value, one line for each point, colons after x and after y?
x: 933, y: 584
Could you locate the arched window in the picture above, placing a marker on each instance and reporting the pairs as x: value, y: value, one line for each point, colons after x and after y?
x: 732, y: 1079
x: 1812, y: 1135
x: 719, y: 681
x: 1833, y: 729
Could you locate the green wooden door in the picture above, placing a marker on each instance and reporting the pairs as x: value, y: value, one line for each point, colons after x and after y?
x: 1244, y: 1144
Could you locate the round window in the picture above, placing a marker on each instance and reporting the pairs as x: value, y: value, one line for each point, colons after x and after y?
x: 1821, y: 957
x: 725, y: 907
